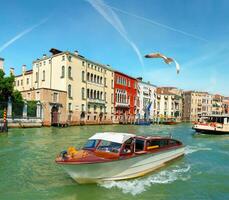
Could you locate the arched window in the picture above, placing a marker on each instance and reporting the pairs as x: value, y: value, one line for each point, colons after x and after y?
x: 69, y: 72
x: 97, y: 79
x: 62, y: 71
x: 82, y: 91
x: 105, y: 96
x: 91, y: 94
x: 69, y: 91
x: 94, y: 94
x: 101, y: 80
x: 91, y: 77
x: 43, y: 74
x: 83, y: 74
x: 101, y: 95
x: 88, y: 93
x: 97, y: 94
x: 88, y: 76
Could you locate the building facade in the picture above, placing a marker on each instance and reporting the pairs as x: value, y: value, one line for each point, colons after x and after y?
x: 196, y: 104
x: 125, y: 99
x: 86, y: 85
x: 147, y: 100
x: 169, y: 104
x: 217, y: 104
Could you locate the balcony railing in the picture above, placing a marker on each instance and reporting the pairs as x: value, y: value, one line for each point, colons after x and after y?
x: 98, y: 101
x: 125, y: 105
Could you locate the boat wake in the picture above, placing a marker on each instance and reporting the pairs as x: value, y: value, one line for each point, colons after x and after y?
x: 138, y: 186
x: 192, y: 149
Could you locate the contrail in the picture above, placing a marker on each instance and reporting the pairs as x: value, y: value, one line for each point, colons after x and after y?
x: 18, y: 36
x: 114, y: 20
x: 157, y: 23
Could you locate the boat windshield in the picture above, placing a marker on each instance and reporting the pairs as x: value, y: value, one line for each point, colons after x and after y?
x: 109, y: 146
x: 91, y: 144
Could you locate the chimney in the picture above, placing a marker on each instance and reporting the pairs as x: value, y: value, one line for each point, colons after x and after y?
x: 76, y: 52
x: 11, y: 71
x: 44, y: 56
x: 2, y: 64
x: 139, y: 78
x: 23, y: 69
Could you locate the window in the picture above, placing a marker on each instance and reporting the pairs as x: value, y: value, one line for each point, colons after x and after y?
x: 44, y: 63
x: 69, y: 58
x: 91, y: 77
x: 105, y: 96
x: 88, y: 108
x: 94, y: 78
x: 83, y: 63
x: 139, y: 145
x: 94, y: 94
x: 43, y: 75
x: 101, y: 95
x: 101, y: 80
x: 88, y: 93
x: 82, y: 107
x: 21, y: 82
x: 112, y: 98
x: 55, y: 96
x: 105, y: 81
x: 50, y: 61
x: 91, y: 144
x: 97, y: 94
x: 70, y: 72
x: 88, y: 76
x: 83, y: 74
x: 70, y: 106
x: 112, y: 84
x: 62, y: 71
x: 27, y: 81
x: 108, y: 146
x: 98, y: 79
x: 83, y: 91
x: 36, y: 77
x: 69, y: 91
x: 95, y: 108
x: 63, y: 58
x: 18, y: 83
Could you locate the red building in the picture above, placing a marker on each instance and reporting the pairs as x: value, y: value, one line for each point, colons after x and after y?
x: 125, y: 101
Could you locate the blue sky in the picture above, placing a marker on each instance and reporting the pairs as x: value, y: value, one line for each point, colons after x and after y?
x: 196, y: 35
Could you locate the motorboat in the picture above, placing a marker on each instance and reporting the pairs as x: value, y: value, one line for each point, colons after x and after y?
x: 117, y: 156
x: 212, y: 124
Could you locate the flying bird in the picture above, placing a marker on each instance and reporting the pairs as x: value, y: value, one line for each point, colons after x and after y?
x: 166, y: 59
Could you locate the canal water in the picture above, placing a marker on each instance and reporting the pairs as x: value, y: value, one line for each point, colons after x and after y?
x: 28, y: 170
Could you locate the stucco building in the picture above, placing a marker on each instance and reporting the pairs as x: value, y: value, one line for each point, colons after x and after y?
x: 169, y: 103
x: 196, y: 104
x: 125, y: 100
x: 147, y: 100
x: 71, y: 88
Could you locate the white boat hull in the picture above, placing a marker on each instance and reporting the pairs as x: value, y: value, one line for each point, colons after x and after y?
x: 121, y: 169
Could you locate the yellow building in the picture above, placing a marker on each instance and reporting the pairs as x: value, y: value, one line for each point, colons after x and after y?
x: 71, y: 88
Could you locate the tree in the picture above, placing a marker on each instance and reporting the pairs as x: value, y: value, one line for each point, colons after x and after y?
x: 7, y: 89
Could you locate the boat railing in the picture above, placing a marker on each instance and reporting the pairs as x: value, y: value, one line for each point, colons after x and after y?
x: 162, y: 135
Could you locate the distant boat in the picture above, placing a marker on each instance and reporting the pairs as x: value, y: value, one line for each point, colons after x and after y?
x: 170, y: 121
x: 212, y: 124
x: 117, y: 156
x: 142, y: 123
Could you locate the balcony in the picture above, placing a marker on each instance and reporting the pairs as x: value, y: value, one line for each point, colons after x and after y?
x: 96, y: 101
x: 123, y: 105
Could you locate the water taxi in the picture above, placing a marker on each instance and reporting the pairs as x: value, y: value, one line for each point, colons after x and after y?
x: 212, y: 124
x: 117, y: 156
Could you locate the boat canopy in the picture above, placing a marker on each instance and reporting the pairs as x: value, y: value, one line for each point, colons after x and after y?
x: 112, y: 137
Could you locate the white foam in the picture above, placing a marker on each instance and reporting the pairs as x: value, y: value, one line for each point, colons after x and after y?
x: 192, y: 149
x: 138, y: 186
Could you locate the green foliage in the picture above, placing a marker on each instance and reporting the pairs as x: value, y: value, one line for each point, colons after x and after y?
x: 7, y: 89
x: 31, y: 108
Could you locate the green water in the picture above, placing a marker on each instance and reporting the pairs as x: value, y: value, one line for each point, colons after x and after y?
x: 28, y: 171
